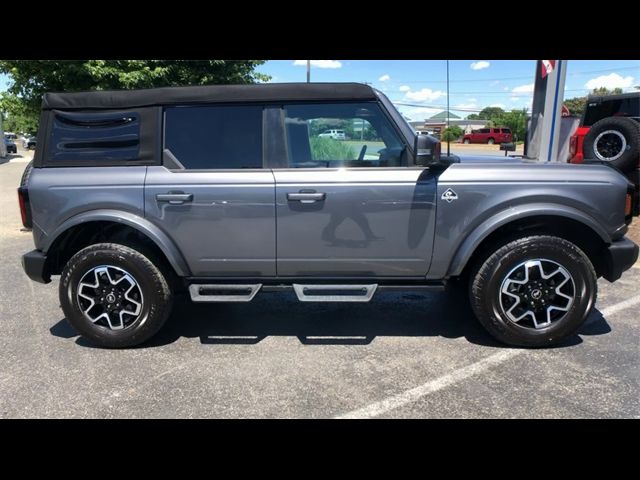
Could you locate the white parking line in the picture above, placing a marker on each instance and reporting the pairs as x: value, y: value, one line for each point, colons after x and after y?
x: 379, y: 408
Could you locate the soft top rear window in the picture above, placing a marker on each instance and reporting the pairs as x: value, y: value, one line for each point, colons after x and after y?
x: 101, y: 138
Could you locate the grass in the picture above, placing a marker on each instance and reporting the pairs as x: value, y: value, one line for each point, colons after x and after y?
x: 330, y: 149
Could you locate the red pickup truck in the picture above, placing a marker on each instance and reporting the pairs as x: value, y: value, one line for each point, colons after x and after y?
x: 488, y: 135
x: 609, y: 131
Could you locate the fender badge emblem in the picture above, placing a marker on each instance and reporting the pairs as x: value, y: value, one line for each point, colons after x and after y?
x: 449, y: 196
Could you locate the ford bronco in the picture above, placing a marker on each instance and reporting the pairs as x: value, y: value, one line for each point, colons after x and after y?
x: 228, y: 192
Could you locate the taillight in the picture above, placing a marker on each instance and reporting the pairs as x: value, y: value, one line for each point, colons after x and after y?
x: 25, y: 210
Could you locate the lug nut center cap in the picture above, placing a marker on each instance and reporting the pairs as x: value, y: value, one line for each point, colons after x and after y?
x: 536, y: 294
x: 111, y: 298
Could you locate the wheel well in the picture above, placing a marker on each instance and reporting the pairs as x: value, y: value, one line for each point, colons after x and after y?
x: 80, y: 236
x: 572, y: 230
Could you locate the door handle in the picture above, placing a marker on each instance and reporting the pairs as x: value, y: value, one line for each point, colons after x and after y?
x: 306, y: 196
x: 174, y: 198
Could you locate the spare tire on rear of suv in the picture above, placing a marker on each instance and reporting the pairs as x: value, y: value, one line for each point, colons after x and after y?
x: 615, y: 140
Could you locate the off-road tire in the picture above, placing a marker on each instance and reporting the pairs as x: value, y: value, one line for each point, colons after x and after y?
x: 486, y: 280
x: 157, y: 294
x: 629, y: 129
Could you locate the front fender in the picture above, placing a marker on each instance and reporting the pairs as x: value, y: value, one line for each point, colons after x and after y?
x: 482, y: 231
x: 144, y: 226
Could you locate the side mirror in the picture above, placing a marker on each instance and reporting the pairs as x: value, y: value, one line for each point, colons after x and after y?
x: 427, y: 150
x: 508, y: 147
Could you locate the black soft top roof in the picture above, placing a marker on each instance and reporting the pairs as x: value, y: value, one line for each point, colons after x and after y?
x: 109, y: 99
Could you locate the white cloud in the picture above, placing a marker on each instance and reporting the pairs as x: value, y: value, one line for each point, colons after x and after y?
x: 479, y: 65
x: 424, y: 95
x: 319, y: 63
x: 506, y: 89
x: 494, y: 83
x: 523, y: 88
x: 514, y: 99
x: 611, y: 81
x: 404, y: 88
x: 384, y: 78
x: 498, y: 105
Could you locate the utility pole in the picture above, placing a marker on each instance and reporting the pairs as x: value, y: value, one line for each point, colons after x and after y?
x: 308, y: 71
x: 448, y: 114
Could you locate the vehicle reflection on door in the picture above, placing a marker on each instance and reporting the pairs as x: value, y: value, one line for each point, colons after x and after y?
x: 353, y: 212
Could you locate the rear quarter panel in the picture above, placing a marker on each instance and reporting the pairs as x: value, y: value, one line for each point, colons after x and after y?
x: 491, y: 195
x: 58, y: 194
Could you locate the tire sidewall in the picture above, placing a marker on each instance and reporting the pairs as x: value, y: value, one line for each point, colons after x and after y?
x: 585, y: 289
x: 629, y: 129
x: 137, y: 332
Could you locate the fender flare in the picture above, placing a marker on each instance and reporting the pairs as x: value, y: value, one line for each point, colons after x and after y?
x: 144, y: 226
x: 490, y: 225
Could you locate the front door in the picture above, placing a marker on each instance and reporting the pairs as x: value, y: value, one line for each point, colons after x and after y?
x: 352, y: 207
x: 212, y: 195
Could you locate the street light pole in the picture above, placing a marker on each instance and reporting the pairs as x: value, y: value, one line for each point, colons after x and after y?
x: 448, y: 115
x: 308, y: 71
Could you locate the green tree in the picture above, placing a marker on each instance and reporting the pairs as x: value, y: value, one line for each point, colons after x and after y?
x: 606, y: 91
x: 30, y: 79
x: 515, y: 120
x: 489, y: 113
x: 451, y: 133
x: 15, y: 116
x: 473, y: 116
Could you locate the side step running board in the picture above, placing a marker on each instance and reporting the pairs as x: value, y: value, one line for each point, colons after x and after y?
x: 334, y: 293
x: 223, y: 293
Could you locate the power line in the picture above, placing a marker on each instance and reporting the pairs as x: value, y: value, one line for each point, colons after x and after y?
x: 574, y: 74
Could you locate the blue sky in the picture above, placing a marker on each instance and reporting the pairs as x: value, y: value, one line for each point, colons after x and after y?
x: 474, y: 84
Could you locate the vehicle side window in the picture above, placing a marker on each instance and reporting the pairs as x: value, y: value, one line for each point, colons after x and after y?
x: 484, y: 130
x: 341, y: 135
x: 85, y: 137
x: 215, y: 137
x: 506, y: 130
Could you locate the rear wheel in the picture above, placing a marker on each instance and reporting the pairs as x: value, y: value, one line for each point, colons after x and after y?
x: 491, y: 141
x: 467, y: 141
x: 114, y: 296
x: 534, y: 292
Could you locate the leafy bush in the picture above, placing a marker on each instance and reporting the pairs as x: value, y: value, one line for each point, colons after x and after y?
x: 330, y: 149
x: 452, y: 133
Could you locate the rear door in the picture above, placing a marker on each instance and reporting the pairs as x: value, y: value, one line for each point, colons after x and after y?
x: 354, y: 207
x: 212, y: 195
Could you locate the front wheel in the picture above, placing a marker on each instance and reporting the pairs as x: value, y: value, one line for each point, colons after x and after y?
x: 491, y: 141
x: 114, y: 296
x: 534, y: 292
x: 466, y: 141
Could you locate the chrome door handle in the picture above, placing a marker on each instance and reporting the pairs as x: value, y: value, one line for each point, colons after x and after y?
x: 306, y: 196
x: 174, y: 198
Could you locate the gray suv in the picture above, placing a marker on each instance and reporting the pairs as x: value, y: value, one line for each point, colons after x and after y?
x: 228, y: 192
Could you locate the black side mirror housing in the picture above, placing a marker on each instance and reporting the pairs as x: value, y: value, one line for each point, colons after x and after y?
x: 508, y: 147
x: 427, y: 150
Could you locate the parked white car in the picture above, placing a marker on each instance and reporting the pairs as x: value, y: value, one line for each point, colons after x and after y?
x: 335, y: 134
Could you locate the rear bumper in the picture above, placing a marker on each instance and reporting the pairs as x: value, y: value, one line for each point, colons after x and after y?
x: 619, y: 257
x: 34, y: 264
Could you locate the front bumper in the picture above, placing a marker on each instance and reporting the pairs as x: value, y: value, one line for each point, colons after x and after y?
x: 619, y: 257
x: 34, y: 265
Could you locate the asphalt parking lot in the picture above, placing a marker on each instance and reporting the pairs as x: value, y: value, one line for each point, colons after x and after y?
x: 401, y: 356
